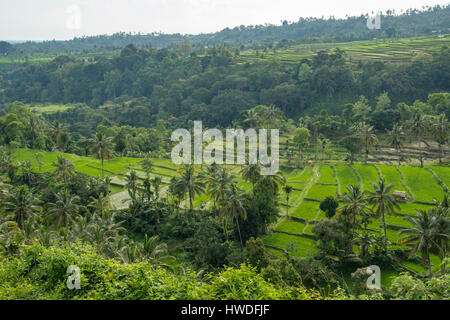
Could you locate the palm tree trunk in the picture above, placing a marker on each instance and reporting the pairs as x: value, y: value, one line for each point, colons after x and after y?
x: 384, y: 230
x: 430, y: 272
x: 239, y: 232
x: 102, y: 169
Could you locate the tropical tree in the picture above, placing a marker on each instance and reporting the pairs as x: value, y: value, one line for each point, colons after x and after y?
x: 233, y: 207
x: 22, y: 203
x: 132, y: 182
x: 420, y: 236
x: 418, y: 127
x: 368, y: 138
x: 251, y: 173
x: 351, y: 143
x: 147, y: 164
x: 395, y: 139
x: 301, y: 140
x: 440, y: 132
x: 287, y: 189
x: 382, y: 202
x: 65, y: 209
x: 64, y: 168
x: 355, y: 204
x: 102, y: 147
x: 218, y: 185
x: 188, y: 182
x: 252, y: 118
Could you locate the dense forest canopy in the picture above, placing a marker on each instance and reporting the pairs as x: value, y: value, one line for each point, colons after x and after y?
x: 216, y: 88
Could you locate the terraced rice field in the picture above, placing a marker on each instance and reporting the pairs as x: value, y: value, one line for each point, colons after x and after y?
x: 311, y: 184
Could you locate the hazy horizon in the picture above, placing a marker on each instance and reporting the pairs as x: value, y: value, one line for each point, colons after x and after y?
x: 24, y: 20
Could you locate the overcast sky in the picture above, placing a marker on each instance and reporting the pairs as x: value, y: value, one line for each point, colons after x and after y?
x: 59, y: 19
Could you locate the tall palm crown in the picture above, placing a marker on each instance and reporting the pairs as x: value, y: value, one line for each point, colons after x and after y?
x: 251, y: 173
x: 65, y: 209
x: 218, y: 184
x: 188, y: 182
x: 64, y: 168
x: 421, y: 235
x: 355, y: 204
x: 234, y: 207
x: 21, y: 203
x: 395, y: 139
x: 102, y: 147
x: 367, y: 136
x: 383, y: 202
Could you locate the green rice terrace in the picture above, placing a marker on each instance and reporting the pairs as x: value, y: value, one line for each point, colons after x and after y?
x: 395, y: 51
x: 292, y: 232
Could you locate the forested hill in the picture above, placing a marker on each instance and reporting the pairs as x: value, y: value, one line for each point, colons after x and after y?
x: 412, y: 22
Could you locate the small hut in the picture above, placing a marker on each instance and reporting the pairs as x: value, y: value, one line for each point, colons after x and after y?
x: 400, y: 195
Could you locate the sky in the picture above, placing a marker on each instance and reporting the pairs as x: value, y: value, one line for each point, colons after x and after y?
x: 65, y: 19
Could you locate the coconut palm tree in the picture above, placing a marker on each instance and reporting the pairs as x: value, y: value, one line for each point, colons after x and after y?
x: 22, y: 203
x: 275, y: 181
x: 355, y: 204
x: 132, y: 182
x: 251, y: 173
x: 251, y: 117
x: 383, y: 202
x: 440, y: 132
x: 188, y: 182
x: 64, y: 168
x: 218, y: 184
x: 65, y: 209
x: 147, y: 165
x: 233, y: 207
x: 395, y: 139
x: 420, y: 236
x: 102, y: 147
x: 368, y: 138
x: 287, y: 189
x: 418, y: 127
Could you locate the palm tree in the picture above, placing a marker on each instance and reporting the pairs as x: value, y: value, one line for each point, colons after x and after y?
x: 64, y: 168
x: 156, y: 182
x: 420, y: 235
x: 395, y: 139
x: 355, y: 204
x: 383, y: 203
x: 251, y: 173
x: 440, y: 132
x: 102, y: 147
x: 418, y: 127
x: 218, y: 184
x: 147, y: 165
x: 64, y: 210
x: 188, y: 182
x: 275, y: 181
x: 251, y: 117
x: 440, y: 243
x: 57, y: 130
x: 368, y: 138
x: 132, y: 182
x: 287, y: 189
x: 233, y: 207
x: 22, y: 204
x: 155, y: 252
